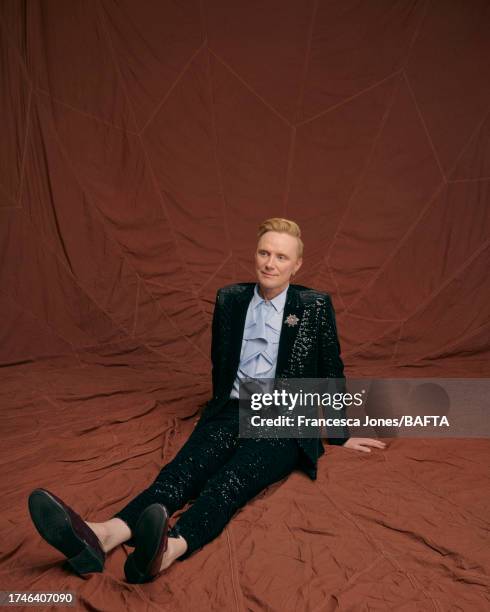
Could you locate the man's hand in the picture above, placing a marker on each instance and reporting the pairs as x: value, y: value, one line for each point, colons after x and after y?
x: 362, y: 444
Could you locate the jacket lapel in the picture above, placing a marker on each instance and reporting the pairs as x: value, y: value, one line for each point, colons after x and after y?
x: 292, y: 308
x: 239, y: 314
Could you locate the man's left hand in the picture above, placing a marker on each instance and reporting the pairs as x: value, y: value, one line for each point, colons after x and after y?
x: 362, y: 444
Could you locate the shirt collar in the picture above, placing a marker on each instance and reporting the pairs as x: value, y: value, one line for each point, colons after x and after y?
x: 278, y: 302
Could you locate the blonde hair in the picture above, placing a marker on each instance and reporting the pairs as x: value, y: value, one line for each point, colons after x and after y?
x: 285, y: 226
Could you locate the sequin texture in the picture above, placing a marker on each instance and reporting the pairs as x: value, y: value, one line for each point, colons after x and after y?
x: 220, y: 472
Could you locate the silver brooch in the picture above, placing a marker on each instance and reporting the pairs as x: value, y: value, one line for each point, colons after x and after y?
x: 291, y: 320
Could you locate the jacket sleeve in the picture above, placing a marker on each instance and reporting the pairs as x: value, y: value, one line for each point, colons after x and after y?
x: 215, y: 333
x: 331, y: 366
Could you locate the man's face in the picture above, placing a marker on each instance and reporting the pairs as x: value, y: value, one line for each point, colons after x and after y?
x: 276, y: 259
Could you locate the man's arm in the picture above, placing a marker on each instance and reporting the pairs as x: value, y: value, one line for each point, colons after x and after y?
x: 215, y: 331
x: 332, y: 366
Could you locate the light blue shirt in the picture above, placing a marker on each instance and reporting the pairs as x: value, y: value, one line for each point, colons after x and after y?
x: 261, y: 334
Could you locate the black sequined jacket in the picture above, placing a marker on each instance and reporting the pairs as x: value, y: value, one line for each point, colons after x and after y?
x: 309, y: 349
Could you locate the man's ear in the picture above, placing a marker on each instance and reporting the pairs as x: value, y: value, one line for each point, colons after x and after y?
x: 298, y: 264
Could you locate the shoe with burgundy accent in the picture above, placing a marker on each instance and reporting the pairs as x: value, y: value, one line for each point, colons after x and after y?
x: 64, y: 529
x: 150, y: 538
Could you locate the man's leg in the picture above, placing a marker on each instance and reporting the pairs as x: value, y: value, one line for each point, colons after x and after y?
x: 207, y: 448
x: 256, y: 464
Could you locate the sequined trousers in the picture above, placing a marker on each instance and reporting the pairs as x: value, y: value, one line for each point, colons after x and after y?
x: 219, y: 471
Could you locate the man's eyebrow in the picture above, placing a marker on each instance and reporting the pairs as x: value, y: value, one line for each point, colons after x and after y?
x: 278, y: 254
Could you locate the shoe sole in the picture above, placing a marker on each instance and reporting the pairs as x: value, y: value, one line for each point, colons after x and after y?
x: 147, y: 541
x: 54, y: 525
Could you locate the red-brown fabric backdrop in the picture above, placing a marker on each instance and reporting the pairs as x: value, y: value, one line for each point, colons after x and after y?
x: 142, y: 143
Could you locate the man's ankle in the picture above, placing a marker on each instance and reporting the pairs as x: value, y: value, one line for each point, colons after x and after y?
x: 102, y: 534
x: 176, y: 547
x: 181, y: 545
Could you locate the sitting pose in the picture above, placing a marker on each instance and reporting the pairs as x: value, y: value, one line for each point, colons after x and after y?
x: 269, y: 329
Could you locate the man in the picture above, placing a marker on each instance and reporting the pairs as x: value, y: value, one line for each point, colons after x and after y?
x: 269, y: 329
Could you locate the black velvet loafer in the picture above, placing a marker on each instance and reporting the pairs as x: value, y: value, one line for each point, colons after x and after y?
x: 151, y: 539
x: 66, y: 531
